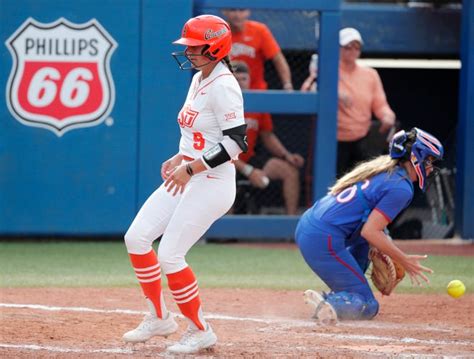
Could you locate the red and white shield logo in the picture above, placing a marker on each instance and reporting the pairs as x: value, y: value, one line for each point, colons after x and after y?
x: 60, y: 77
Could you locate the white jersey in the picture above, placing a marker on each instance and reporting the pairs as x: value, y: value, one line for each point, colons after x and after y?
x: 213, y: 105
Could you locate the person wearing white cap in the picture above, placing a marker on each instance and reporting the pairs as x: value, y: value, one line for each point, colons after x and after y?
x: 349, y: 34
x: 360, y: 94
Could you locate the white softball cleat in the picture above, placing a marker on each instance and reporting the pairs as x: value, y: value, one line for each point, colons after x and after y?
x: 150, y: 327
x: 194, y: 340
x: 323, y: 311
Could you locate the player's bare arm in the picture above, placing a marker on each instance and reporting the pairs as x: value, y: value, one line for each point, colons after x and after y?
x: 373, y: 232
x: 273, y: 144
x: 388, y: 121
x: 283, y: 69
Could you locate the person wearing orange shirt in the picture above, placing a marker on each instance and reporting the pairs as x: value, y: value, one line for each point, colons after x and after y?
x: 360, y: 94
x: 284, y: 166
x: 253, y: 43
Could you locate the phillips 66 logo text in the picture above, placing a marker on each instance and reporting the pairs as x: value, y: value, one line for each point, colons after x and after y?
x: 60, y: 78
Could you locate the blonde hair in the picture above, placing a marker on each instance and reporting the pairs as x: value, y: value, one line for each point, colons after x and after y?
x: 364, y: 171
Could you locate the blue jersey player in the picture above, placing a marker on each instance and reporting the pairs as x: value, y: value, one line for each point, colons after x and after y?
x: 334, y: 235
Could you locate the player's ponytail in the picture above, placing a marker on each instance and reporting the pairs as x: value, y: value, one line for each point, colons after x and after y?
x: 227, y: 62
x: 364, y: 171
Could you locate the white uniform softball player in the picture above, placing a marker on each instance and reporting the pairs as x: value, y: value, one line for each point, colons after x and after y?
x: 216, y: 102
x: 199, y: 186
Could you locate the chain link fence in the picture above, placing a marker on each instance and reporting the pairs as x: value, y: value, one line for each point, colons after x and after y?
x: 296, y: 133
x: 431, y: 214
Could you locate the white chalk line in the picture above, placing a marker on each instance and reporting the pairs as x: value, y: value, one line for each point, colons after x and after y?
x: 128, y: 351
x: 300, y: 323
x: 284, y: 322
x: 138, y: 312
x: 387, y: 325
x: 70, y: 309
x: 393, y: 339
x: 65, y: 350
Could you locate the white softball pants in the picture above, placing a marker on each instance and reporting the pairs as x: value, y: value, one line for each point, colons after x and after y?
x: 182, y: 219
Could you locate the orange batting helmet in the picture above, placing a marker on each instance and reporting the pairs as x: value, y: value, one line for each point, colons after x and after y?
x: 207, y: 30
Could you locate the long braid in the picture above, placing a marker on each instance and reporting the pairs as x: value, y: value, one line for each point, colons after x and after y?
x: 227, y: 62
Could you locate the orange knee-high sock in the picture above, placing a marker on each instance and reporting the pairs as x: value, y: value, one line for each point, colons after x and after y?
x: 185, y: 291
x: 148, y: 272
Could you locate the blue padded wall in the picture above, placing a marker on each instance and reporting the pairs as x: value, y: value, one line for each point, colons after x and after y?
x: 85, y: 180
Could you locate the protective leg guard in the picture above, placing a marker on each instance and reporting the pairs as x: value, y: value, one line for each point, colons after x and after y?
x: 352, y: 306
x: 370, y: 310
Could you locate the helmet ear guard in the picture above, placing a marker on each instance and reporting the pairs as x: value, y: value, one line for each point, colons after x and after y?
x: 205, y: 52
x: 416, y: 146
x: 401, y: 144
x: 396, y: 147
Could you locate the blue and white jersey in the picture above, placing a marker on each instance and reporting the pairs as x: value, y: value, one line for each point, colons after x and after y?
x: 388, y: 193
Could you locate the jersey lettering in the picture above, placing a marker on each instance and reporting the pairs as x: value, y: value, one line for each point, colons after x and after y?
x: 349, y: 193
x: 230, y: 116
x: 187, y: 117
x: 239, y: 49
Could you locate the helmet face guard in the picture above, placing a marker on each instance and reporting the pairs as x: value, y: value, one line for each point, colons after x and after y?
x: 209, y: 31
x: 185, y: 60
x: 421, y: 150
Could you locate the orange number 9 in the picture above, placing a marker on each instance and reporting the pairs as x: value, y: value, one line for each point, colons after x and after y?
x: 199, y: 141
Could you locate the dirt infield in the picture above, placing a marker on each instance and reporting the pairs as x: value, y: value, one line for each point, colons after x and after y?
x: 88, y: 323
x: 250, y: 323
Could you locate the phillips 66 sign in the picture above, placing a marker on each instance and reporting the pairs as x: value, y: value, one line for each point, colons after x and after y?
x: 60, y: 78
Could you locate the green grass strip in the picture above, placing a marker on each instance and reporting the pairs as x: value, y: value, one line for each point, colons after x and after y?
x: 106, y: 264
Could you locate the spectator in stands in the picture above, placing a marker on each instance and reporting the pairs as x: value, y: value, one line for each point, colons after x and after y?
x: 283, y: 166
x: 360, y: 94
x: 253, y: 43
x: 310, y: 83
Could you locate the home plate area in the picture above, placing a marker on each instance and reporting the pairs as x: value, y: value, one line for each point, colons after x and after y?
x: 89, y: 323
